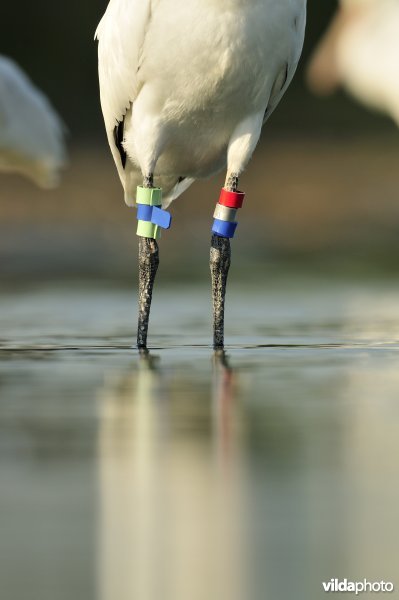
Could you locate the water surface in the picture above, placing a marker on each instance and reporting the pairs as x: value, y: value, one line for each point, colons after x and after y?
x: 181, y: 475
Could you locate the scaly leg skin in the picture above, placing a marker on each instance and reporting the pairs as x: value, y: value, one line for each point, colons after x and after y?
x: 148, y: 267
x: 220, y: 260
x: 220, y: 264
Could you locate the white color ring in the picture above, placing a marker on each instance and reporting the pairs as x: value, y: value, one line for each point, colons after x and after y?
x: 224, y: 213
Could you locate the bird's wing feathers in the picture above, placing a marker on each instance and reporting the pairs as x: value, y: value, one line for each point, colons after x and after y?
x: 279, y: 87
x: 121, y: 35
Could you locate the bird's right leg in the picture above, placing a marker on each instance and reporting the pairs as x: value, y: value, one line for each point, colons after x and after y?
x: 151, y: 219
x: 147, y: 148
x: 148, y: 267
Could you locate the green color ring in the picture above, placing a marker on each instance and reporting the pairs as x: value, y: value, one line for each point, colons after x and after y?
x: 149, y: 196
x: 147, y: 229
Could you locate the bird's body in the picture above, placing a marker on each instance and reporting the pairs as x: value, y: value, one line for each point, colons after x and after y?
x: 360, y: 51
x: 185, y: 89
x: 31, y: 133
x: 187, y: 79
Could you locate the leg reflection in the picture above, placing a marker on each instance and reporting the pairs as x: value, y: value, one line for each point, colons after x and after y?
x: 223, y: 406
x: 170, y: 486
x: 133, y: 415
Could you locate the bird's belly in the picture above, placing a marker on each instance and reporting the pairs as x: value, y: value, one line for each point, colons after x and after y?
x: 194, y: 152
x: 209, y: 64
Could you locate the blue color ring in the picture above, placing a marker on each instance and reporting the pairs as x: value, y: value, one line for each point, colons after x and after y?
x: 224, y: 228
x: 161, y: 217
x: 144, y: 212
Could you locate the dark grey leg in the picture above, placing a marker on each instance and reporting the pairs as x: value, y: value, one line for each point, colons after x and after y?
x: 220, y: 260
x: 231, y: 182
x: 148, y: 181
x: 220, y: 265
x: 148, y: 266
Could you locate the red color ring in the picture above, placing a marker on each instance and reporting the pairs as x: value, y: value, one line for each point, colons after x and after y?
x: 231, y: 199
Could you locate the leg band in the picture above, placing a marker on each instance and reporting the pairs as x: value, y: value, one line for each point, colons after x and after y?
x: 149, y: 196
x: 224, y: 229
x: 224, y: 224
x: 225, y: 214
x: 231, y: 199
x: 151, y: 217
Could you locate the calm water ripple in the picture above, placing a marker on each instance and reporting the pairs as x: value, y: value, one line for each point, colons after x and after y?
x: 181, y: 474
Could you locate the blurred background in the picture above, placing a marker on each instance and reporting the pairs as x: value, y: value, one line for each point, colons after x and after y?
x: 321, y: 186
x: 182, y: 475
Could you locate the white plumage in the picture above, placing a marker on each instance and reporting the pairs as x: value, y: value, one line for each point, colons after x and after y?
x: 31, y: 133
x: 361, y: 52
x: 186, y: 85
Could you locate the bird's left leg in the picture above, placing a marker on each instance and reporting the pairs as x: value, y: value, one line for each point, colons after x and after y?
x: 223, y: 229
x: 241, y: 146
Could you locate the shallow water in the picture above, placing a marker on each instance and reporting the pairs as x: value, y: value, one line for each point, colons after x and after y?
x: 182, y: 475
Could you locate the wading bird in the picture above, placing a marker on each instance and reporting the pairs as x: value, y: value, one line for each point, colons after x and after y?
x: 31, y: 133
x: 361, y: 52
x: 185, y: 89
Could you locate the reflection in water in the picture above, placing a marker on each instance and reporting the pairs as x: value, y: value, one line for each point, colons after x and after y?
x: 252, y: 483
x: 372, y: 463
x: 257, y: 484
x: 171, y: 491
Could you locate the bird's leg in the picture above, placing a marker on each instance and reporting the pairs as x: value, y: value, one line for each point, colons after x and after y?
x: 220, y: 260
x: 148, y: 181
x: 220, y: 264
x: 148, y: 266
x: 231, y: 183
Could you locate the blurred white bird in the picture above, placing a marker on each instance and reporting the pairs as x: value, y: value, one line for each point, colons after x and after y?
x: 185, y: 89
x: 31, y: 132
x: 361, y: 52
